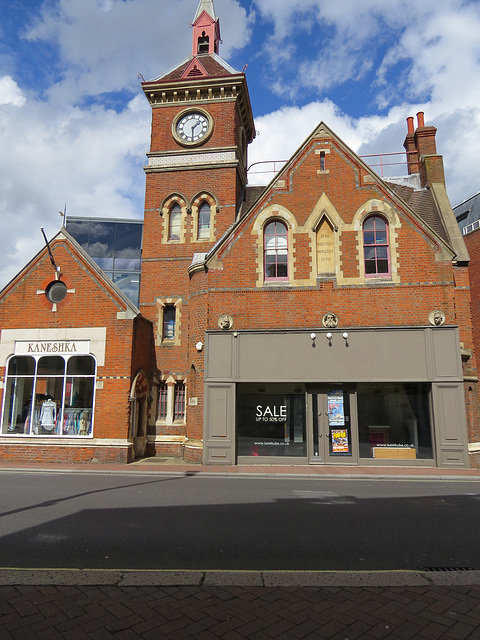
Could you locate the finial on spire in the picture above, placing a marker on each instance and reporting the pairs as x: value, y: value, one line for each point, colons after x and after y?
x: 206, y: 29
x: 205, y: 5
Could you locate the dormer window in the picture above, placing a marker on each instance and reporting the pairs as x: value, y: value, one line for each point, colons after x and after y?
x: 203, y: 43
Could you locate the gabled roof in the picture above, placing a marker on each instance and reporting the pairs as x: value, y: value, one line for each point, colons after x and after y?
x: 419, y: 204
x: 96, y: 271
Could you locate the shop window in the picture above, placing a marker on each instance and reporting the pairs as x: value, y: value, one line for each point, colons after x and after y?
x: 49, y: 396
x: 270, y: 421
x: 175, y: 222
x: 169, y: 318
x: 204, y: 221
x: 179, y: 401
x: 276, y: 251
x: 162, y: 401
x: 394, y: 421
x: 375, y: 246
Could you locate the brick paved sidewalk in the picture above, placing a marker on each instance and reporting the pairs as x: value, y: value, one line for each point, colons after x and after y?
x: 232, y: 613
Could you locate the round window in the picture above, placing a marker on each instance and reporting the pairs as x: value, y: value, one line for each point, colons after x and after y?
x: 56, y: 291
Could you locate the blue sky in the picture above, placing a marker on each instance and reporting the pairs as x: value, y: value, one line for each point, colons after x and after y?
x: 74, y: 124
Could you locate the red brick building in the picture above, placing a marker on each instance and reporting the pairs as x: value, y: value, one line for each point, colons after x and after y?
x: 323, y: 319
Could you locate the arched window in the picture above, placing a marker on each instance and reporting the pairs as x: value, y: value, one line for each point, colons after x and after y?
x: 375, y: 246
x: 175, y: 222
x: 276, y: 251
x: 204, y: 221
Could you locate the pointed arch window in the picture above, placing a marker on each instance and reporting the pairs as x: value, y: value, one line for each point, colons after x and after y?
x: 175, y: 222
x: 204, y: 221
x: 276, y: 251
x: 375, y: 247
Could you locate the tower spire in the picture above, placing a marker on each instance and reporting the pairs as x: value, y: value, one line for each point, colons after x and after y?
x: 206, y: 29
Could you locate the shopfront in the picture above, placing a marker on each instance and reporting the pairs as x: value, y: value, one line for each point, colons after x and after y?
x: 377, y: 397
x: 334, y: 424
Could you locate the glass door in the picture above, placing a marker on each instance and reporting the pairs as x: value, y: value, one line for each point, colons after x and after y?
x: 332, y: 436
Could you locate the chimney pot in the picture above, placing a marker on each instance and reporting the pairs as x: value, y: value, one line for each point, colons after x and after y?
x: 420, y: 119
x: 410, y: 124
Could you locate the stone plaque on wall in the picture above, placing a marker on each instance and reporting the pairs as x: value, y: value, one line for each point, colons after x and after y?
x: 325, y: 248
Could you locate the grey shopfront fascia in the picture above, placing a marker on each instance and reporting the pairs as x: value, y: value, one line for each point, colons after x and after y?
x: 428, y: 355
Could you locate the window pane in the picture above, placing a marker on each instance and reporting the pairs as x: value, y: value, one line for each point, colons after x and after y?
x: 271, y: 424
x: 382, y: 266
x: 102, y: 239
x: 129, y: 284
x: 381, y: 237
x: 394, y: 421
x: 169, y: 314
x: 51, y: 366
x: 179, y: 401
x: 369, y: 238
x: 81, y: 365
x: 204, y: 221
x: 382, y: 253
x: 162, y: 401
x: 77, y: 417
x: 21, y: 365
x: 175, y: 223
x: 18, y: 399
x: 80, y: 230
x: 370, y: 267
x: 128, y: 241
x: 48, y: 399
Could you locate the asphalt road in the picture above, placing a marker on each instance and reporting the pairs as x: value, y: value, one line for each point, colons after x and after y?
x: 129, y: 521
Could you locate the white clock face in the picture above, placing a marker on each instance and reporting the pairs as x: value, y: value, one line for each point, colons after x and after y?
x: 193, y: 127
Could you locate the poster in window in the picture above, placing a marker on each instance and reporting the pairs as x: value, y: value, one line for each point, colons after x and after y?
x: 339, y: 439
x: 336, y: 413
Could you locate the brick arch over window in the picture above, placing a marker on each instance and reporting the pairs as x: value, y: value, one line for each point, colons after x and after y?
x: 274, y: 213
x: 174, y: 211
x: 384, y: 236
x: 203, y: 218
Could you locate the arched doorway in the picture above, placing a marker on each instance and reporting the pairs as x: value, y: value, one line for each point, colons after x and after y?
x: 139, y: 414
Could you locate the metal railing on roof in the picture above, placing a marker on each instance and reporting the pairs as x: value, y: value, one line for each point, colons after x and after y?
x: 278, y: 164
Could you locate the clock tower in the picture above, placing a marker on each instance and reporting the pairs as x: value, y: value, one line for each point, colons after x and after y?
x: 196, y: 178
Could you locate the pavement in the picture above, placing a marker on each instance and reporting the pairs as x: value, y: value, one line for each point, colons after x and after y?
x: 258, y: 605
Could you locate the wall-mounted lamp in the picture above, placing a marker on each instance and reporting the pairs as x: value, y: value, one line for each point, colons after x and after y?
x: 199, y: 346
x: 313, y: 336
x: 329, y: 336
x: 345, y: 336
x: 235, y: 334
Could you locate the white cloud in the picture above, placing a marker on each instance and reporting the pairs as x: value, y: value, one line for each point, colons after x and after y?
x: 10, y: 93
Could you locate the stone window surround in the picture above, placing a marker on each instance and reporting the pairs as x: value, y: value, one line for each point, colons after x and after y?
x: 169, y: 203
x: 171, y: 381
x: 325, y: 209
x: 161, y: 304
x: 196, y: 204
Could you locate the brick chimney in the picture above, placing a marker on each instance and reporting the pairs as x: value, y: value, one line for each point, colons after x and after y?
x: 426, y: 160
x: 410, y: 148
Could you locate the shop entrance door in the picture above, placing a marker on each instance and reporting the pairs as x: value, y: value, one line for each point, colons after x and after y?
x: 334, y: 438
